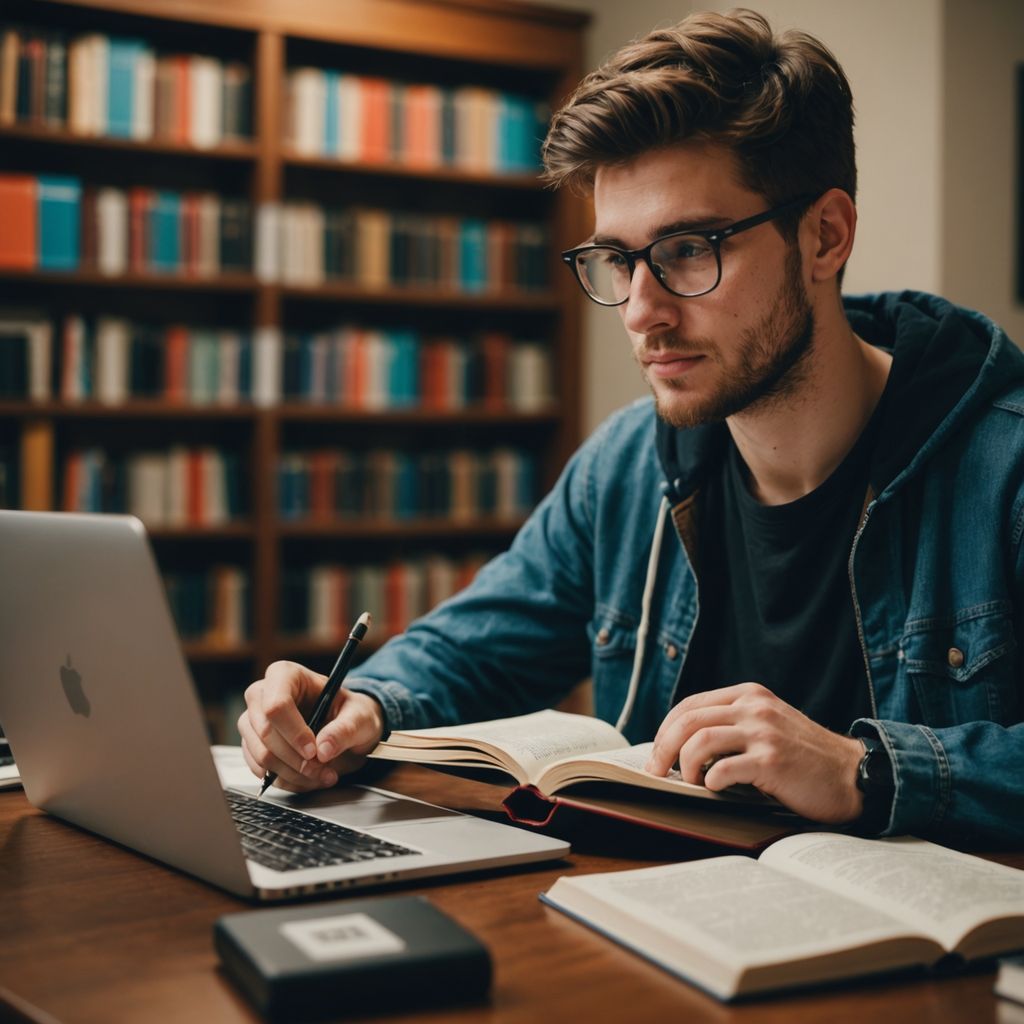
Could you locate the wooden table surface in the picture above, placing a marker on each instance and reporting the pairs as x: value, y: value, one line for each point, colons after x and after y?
x: 91, y: 932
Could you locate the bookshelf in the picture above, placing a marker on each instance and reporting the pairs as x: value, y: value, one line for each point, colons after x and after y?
x: 476, y: 67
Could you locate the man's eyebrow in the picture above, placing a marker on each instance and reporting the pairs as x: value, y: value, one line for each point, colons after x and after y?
x: 706, y: 222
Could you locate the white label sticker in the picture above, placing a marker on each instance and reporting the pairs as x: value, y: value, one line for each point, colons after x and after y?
x: 341, y: 938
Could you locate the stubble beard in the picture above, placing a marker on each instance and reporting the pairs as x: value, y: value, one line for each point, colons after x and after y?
x: 773, y: 363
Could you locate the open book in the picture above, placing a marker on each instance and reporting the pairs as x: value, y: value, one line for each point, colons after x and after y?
x: 812, y: 908
x: 562, y: 759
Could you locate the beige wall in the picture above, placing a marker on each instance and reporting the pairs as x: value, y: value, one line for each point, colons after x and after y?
x: 984, y: 42
x: 932, y: 85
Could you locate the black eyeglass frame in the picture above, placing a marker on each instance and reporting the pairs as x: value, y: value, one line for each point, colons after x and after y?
x: 713, y: 236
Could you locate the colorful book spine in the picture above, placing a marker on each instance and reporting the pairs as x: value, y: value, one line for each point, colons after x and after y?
x: 59, y: 206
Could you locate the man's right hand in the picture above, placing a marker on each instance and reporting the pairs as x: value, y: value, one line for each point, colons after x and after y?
x: 275, y: 736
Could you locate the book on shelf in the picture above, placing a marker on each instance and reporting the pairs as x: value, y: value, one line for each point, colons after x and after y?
x: 121, y: 87
x: 56, y: 224
x: 813, y: 908
x: 562, y: 760
x: 181, y: 487
x: 332, y: 113
x: 211, y: 605
x: 320, y: 601
x: 381, y: 248
x: 459, y: 485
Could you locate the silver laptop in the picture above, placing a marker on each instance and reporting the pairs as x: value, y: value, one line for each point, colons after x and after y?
x: 105, y: 724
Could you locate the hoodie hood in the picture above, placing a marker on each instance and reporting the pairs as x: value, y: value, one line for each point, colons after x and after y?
x: 948, y: 362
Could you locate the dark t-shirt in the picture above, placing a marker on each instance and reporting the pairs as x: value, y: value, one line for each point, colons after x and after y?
x: 775, y: 593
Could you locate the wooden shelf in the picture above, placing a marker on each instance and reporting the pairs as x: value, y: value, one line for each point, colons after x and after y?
x: 447, y: 174
x: 516, y: 47
x: 59, y: 137
x: 357, y: 294
x: 136, y: 281
x: 208, y: 650
x: 398, y: 529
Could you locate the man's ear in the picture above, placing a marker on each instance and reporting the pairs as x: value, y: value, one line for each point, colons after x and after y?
x: 831, y: 224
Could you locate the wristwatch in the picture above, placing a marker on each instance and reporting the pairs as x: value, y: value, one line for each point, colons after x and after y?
x: 875, y: 780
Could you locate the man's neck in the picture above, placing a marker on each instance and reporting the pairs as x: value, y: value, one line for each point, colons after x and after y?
x: 792, y: 444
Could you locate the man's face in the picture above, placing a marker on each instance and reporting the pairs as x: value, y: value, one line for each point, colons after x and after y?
x: 741, y: 347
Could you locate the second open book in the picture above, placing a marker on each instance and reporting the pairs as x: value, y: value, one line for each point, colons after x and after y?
x: 566, y: 760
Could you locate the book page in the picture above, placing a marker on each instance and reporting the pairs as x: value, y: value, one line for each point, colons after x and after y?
x: 626, y: 764
x: 524, y: 744
x: 938, y: 891
x: 740, y: 911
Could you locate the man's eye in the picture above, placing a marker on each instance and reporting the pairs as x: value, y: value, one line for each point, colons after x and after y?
x: 684, y: 249
x: 610, y: 259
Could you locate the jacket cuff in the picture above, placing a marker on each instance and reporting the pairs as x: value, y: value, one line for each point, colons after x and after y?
x: 401, y: 709
x: 920, y: 770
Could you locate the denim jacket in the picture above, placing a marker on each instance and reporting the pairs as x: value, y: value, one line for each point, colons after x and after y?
x: 936, y: 576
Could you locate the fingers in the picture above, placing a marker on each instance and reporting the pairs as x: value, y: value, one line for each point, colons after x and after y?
x: 274, y: 734
x: 674, y: 735
x: 356, y: 726
x: 711, y: 698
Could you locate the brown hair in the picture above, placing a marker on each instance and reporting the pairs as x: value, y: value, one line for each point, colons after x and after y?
x: 781, y: 103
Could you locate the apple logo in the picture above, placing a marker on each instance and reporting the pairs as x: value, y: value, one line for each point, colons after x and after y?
x: 72, y: 683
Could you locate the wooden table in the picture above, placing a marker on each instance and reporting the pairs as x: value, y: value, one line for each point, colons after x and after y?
x: 90, y: 931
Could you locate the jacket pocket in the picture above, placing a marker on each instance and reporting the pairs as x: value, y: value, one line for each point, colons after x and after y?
x: 964, y: 669
x: 612, y: 646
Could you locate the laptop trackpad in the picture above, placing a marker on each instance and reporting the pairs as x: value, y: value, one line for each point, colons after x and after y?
x: 359, y: 807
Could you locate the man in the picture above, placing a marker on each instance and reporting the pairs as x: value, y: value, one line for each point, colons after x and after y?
x: 830, y: 606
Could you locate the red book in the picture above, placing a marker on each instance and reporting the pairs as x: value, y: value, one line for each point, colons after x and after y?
x: 182, y: 97
x: 360, y: 370
x: 416, y: 145
x: 433, y: 375
x: 495, y: 348
x: 18, y: 221
x: 375, y: 144
x: 72, y: 480
x: 190, y: 234
x: 396, y: 612
x: 176, y: 364
x: 195, y: 496
x: 139, y: 202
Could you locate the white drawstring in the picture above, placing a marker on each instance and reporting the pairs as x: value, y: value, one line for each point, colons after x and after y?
x: 645, y: 616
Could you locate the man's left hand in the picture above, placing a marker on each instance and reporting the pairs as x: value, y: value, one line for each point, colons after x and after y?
x: 750, y: 736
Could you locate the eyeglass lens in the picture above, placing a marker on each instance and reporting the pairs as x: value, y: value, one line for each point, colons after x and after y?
x: 685, y: 264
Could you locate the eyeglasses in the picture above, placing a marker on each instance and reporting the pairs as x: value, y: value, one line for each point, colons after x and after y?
x: 685, y: 263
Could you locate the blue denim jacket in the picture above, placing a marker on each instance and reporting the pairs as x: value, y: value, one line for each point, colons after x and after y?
x: 936, y: 570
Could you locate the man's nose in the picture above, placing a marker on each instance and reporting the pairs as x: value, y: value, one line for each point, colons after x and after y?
x: 650, y: 307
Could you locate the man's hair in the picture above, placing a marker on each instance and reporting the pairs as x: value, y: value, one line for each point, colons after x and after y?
x: 781, y: 103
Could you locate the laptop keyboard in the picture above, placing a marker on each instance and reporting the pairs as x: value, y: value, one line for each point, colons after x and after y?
x: 286, y: 840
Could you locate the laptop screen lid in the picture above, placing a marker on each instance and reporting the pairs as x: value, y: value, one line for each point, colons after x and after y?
x: 96, y: 697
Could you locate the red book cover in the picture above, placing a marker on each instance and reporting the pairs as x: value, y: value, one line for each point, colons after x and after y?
x: 90, y: 229
x: 138, y: 218
x: 72, y: 480
x: 182, y: 97
x: 376, y: 125
x: 195, y: 496
x: 394, y: 599
x: 495, y: 348
x: 416, y: 135
x: 19, y: 220
x: 434, y: 375
x: 176, y: 364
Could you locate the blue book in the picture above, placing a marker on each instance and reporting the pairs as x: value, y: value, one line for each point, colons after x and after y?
x: 472, y: 255
x: 122, y: 57
x: 331, y: 140
x: 165, y: 233
x: 403, y: 385
x: 59, y: 211
x: 407, y: 504
x: 509, y: 143
x: 245, y: 367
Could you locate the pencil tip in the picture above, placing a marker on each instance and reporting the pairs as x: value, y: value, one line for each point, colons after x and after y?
x: 365, y: 619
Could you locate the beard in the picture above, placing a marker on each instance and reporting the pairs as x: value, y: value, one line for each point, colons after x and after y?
x: 772, y: 360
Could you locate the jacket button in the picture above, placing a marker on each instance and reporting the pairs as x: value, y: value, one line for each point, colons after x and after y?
x: 671, y: 652
x: 955, y: 658
x: 603, y: 636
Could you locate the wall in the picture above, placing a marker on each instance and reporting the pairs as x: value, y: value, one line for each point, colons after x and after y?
x: 914, y: 174
x: 984, y: 42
